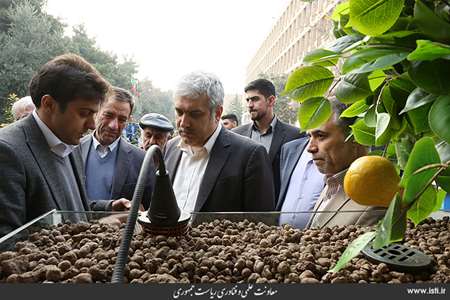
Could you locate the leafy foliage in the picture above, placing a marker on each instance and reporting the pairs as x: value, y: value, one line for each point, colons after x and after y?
x: 393, y: 72
x: 29, y: 37
x: 151, y: 99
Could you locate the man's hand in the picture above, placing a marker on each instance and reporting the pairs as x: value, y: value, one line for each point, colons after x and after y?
x: 145, y: 145
x: 123, y: 204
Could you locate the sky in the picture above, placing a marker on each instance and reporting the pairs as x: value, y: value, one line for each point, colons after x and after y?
x: 169, y: 38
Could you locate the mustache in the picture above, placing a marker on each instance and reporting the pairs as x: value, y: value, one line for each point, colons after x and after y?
x: 183, y: 130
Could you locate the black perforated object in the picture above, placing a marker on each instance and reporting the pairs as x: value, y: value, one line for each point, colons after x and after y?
x: 400, y: 258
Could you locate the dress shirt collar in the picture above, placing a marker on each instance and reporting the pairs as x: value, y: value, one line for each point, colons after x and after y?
x: 206, y: 148
x: 269, y: 130
x: 56, y: 145
x: 111, y: 146
x: 335, y: 182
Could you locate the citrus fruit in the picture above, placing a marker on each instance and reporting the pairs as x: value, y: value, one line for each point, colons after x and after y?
x: 372, y: 181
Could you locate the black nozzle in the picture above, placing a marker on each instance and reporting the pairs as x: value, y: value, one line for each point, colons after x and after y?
x: 164, y: 210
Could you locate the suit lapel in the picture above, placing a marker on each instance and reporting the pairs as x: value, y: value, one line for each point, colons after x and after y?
x: 172, y: 159
x: 217, y: 158
x: 77, y: 163
x: 277, y: 140
x: 334, y: 206
x: 121, y: 169
x: 291, y: 163
x: 85, y: 146
x: 46, y: 161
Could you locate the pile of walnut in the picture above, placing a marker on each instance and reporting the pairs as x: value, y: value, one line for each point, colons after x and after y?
x: 220, y: 252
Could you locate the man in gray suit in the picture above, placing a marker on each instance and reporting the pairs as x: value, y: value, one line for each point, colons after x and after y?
x: 38, y: 169
x: 333, y: 154
x: 266, y: 128
x: 301, y: 183
x: 211, y: 168
x: 112, y: 164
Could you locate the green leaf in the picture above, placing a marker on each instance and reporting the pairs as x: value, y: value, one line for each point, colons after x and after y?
x: 308, y: 82
x: 364, y: 56
x: 419, y: 119
x: 374, y: 17
x: 355, y: 109
x: 402, y: 150
x: 314, y: 112
x: 353, y: 250
x: 428, y: 50
x: 393, y: 225
x: 443, y: 148
x: 321, y: 57
x: 397, y: 34
x: 423, y: 153
x: 439, y: 118
x: 444, y: 180
x: 370, y: 118
x: 363, y: 135
x: 341, y: 9
x: 376, y: 79
x: 400, y: 88
x: 345, y: 42
x: 416, y: 99
x: 382, y: 134
x: 382, y: 62
x: 424, y: 206
x: 352, y: 88
x: 431, y: 24
x: 431, y: 76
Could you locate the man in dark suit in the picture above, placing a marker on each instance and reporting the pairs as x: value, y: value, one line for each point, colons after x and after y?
x: 38, y: 169
x: 211, y: 168
x: 112, y: 164
x: 301, y: 183
x: 266, y: 128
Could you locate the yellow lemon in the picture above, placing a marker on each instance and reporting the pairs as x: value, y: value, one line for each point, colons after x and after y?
x: 372, y: 181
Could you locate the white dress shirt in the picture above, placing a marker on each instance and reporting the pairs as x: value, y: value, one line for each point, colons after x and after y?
x: 56, y: 145
x: 190, y: 171
x: 103, y: 150
x: 304, y: 189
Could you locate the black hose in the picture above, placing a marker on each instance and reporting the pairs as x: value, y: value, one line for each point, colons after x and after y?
x: 122, y: 255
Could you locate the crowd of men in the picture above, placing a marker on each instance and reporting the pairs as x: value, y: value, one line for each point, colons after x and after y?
x: 47, y: 161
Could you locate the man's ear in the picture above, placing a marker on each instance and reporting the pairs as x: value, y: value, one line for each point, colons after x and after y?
x: 218, y: 113
x: 48, y: 104
x: 271, y: 100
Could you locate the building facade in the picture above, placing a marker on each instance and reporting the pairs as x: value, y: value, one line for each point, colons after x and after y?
x: 302, y: 27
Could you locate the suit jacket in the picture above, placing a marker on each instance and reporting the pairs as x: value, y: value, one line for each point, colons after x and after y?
x: 128, y: 164
x: 237, y: 177
x: 30, y: 185
x: 289, y: 155
x: 343, y: 211
x: 282, y: 133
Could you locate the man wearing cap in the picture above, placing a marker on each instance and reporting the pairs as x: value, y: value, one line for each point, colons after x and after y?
x: 112, y: 164
x: 156, y: 130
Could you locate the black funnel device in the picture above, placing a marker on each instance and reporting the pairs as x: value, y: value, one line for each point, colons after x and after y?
x: 164, y: 210
x: 164, y: 216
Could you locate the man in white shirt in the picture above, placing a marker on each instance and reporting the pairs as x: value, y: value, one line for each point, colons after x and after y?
x: 213, y: 169
x: 38, y: 169
x: 301, y: 183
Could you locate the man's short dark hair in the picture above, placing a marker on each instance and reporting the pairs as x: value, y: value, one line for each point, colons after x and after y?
x: 66, y: 78
x: 232, y: 117
x: 263, y: 86
x: 338, y: 108
x: 122, y: 95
